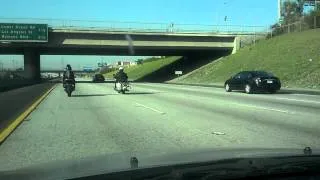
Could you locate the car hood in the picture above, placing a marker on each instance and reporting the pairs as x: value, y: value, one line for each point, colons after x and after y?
x: 68, y: 169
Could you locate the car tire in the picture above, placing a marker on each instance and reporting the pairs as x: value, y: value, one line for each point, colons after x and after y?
x: 248, y: 89
x: 227, y: 88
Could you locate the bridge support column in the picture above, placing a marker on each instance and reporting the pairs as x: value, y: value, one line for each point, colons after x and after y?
x: 32, y: 64
x: 236, y: 45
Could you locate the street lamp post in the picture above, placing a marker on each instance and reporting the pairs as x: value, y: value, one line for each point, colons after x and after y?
x: 62, y: 62
x: 279, y: 9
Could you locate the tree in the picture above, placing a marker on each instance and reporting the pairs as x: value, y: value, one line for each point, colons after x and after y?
x: 104, y: 69
x: 313, y: 18
x: 19, y: 69
x: 139, y: 61
x: 300, y: 6
x: 276, y: 30
x: 292, y: 11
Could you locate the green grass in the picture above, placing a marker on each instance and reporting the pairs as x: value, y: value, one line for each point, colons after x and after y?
x: 287, y: 56
x: 149, y: 66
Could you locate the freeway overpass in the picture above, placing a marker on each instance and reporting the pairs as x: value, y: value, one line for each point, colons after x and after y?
x: 74, y: 40
x: 101, y: 42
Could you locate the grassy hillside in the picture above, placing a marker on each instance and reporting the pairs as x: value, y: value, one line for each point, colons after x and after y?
x: 295, y: 58
x: 148, y: 67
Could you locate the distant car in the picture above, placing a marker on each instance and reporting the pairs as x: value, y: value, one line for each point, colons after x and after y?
x: 251, y: 81
x: 98, y: 78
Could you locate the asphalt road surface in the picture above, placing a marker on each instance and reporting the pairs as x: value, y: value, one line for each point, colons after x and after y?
x: 159, y: 118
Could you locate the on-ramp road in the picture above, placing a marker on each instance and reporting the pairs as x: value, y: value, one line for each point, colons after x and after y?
x: 158, y: 118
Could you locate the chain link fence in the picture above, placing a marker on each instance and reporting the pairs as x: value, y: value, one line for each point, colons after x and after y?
x: 141, y: 26
x: 305, y: 23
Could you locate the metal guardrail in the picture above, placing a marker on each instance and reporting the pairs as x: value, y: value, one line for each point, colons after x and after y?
x: 160, y: 31
x: 141, y: 26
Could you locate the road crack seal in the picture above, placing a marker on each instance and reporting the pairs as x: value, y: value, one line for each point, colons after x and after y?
x: 150, y: 108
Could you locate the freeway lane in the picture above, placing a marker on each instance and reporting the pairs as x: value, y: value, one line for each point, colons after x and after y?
x: 159, y: 118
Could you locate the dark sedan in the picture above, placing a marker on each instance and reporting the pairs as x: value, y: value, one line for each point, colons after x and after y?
x: 98, y: 78
x: 251, y: 81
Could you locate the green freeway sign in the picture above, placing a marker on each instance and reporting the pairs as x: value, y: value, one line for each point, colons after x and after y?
x: 23, y: 32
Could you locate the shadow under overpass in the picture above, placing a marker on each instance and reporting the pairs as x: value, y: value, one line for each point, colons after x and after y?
x: 186, y: 64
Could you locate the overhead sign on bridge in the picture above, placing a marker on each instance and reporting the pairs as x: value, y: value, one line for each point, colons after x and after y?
x: 87, y: 69
x: 23, y: 32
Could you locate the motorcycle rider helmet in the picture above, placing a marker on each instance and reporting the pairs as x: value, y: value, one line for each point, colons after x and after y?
x: 120, y: 68
x: 68, y: 67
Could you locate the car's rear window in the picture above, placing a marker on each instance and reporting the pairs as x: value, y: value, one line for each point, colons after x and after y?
x: 262, y: 73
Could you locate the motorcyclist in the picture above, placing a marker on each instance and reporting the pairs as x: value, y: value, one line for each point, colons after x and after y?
x: 120, y: 76
x: 69, y: 75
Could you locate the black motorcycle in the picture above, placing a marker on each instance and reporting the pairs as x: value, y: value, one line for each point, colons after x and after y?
x: 69, y: 87
x: 122, y: 87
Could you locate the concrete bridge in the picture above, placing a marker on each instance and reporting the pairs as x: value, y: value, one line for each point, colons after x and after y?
x: 74, y: 41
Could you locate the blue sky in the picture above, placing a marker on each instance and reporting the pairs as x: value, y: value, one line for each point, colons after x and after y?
x: 239, y: 12
x: 249, y: 12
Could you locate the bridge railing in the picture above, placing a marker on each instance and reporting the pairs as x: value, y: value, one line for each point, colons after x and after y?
x: 141, y: 26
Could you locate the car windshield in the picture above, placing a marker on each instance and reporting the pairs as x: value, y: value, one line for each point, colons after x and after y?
x: 156, y: 79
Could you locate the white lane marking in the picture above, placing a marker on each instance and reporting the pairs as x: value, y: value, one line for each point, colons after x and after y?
x: 298, y: 100
x: 263, y: 97
x: 155, y: 110
x: 263, y: 108
x: 194, y: 89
